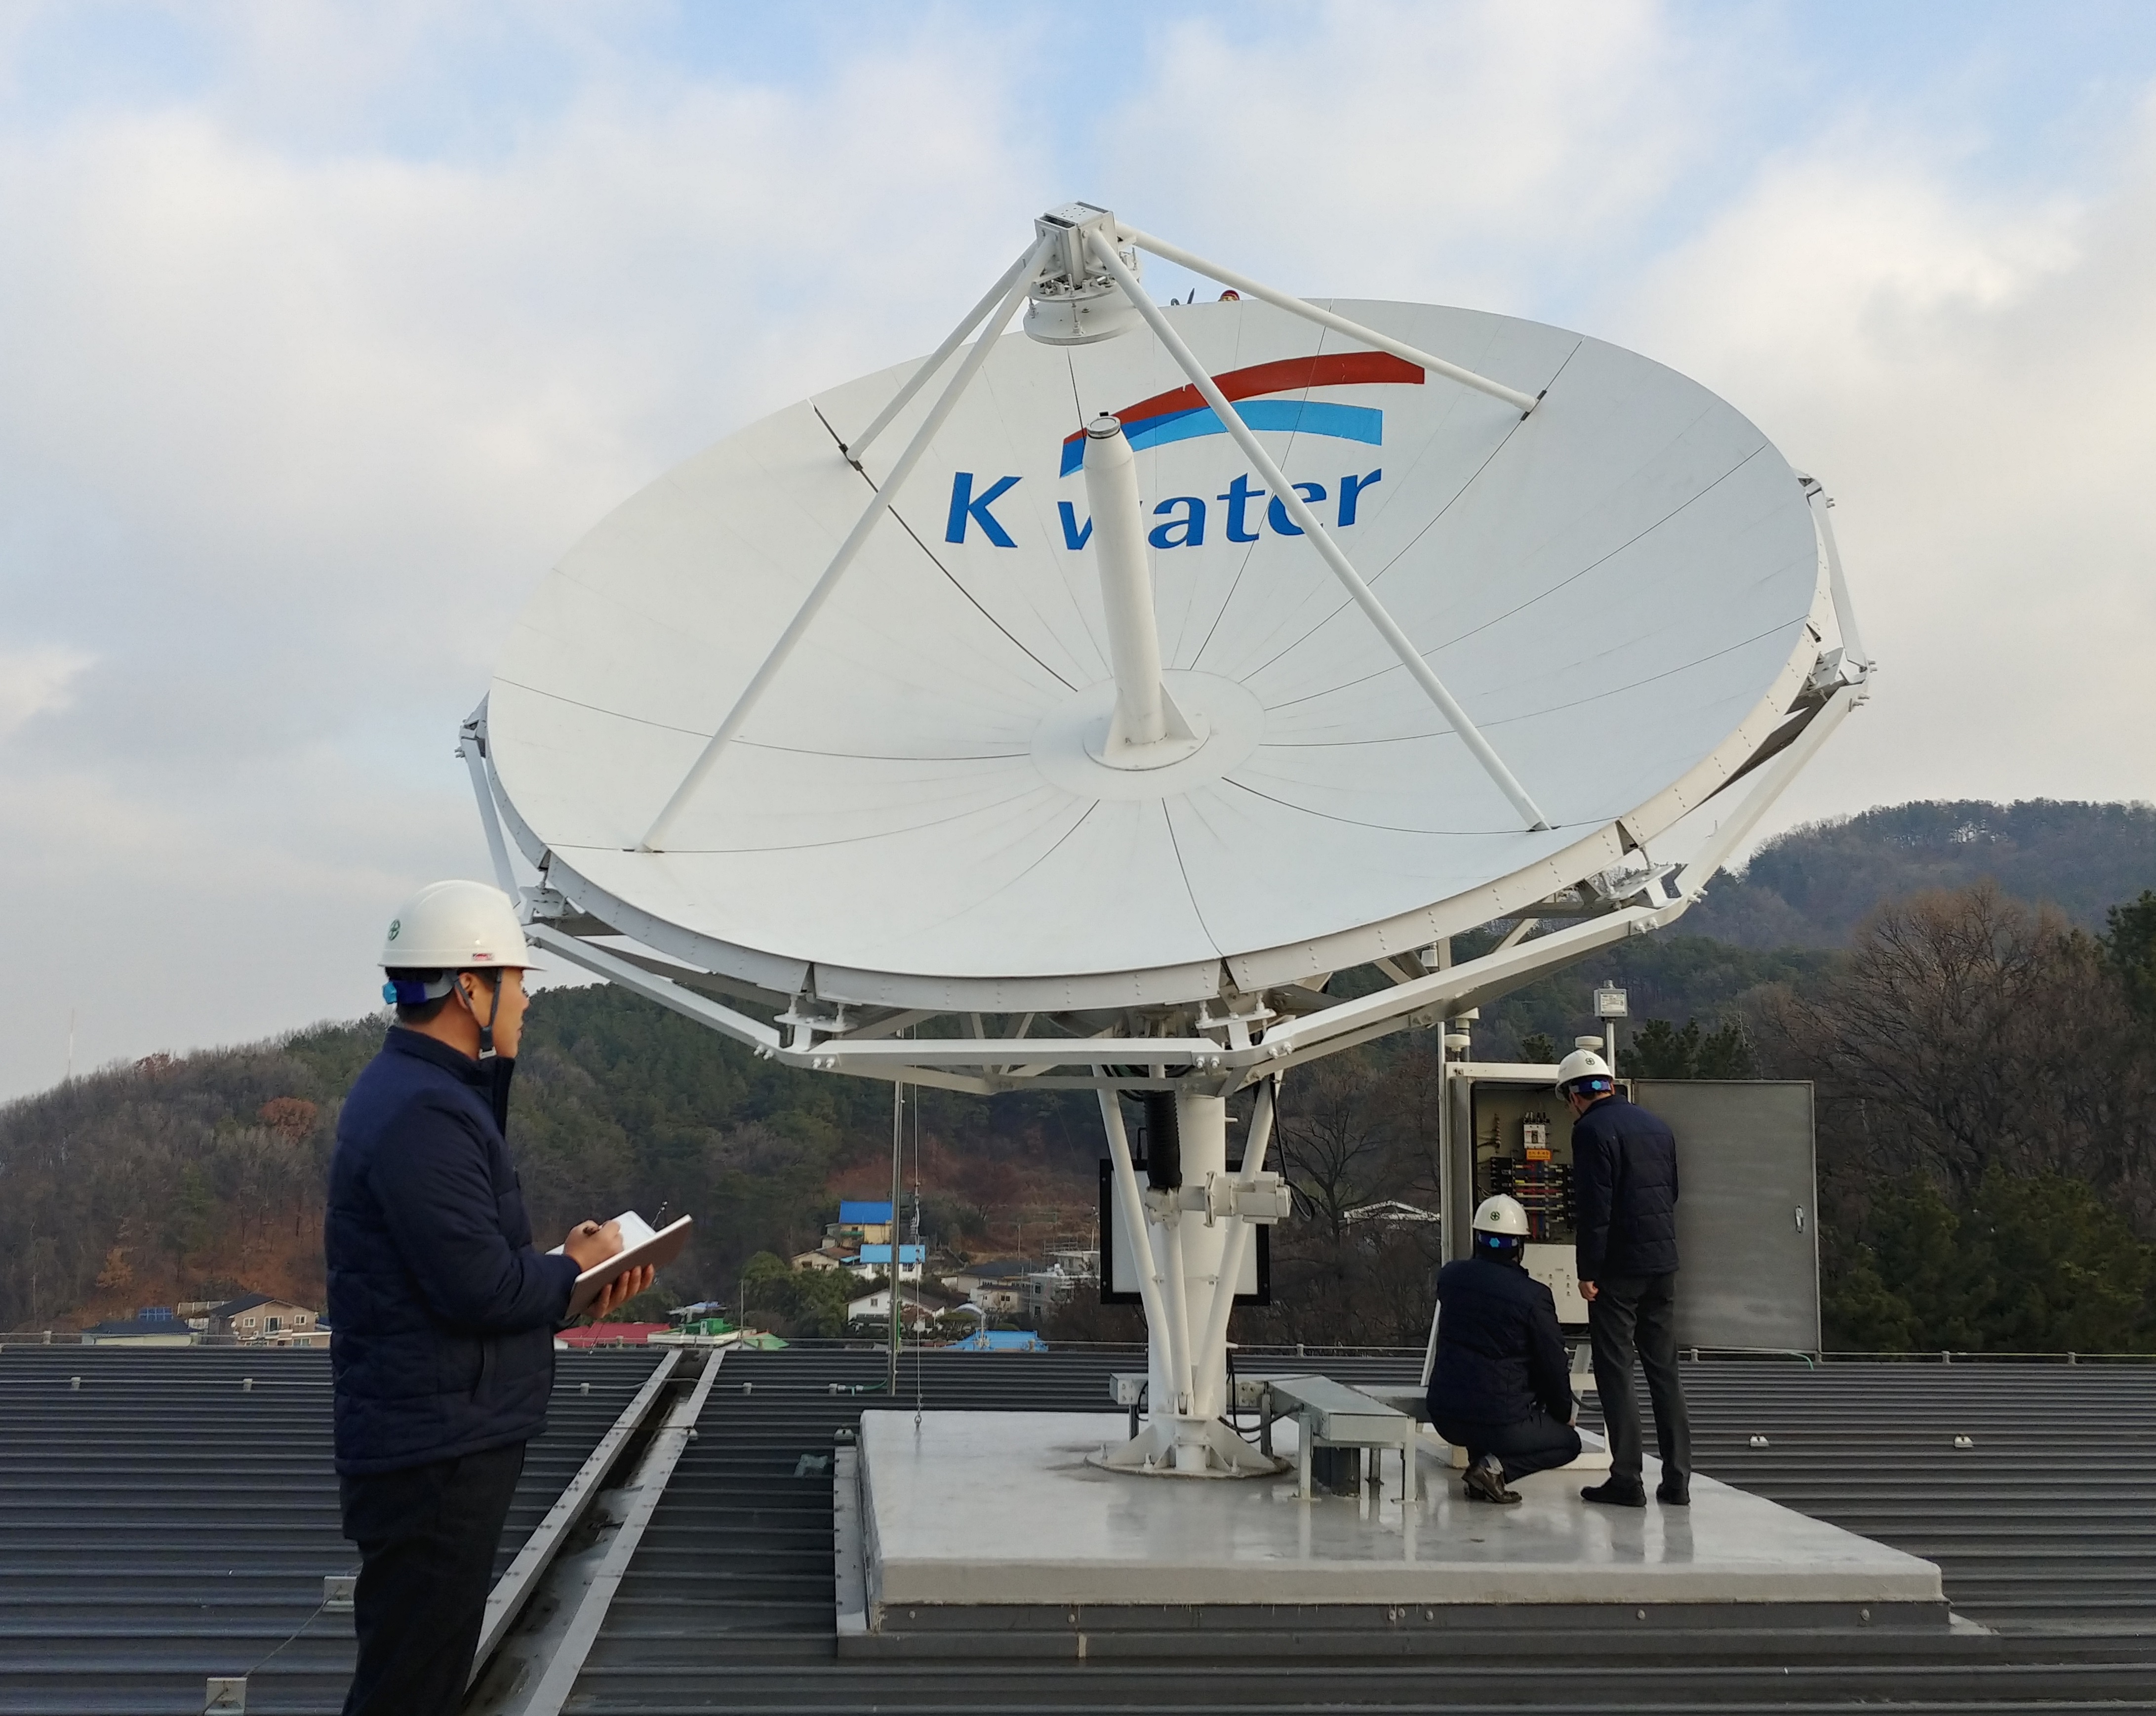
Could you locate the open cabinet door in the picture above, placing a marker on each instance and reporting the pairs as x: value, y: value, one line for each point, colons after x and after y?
x: 1748, y: 1239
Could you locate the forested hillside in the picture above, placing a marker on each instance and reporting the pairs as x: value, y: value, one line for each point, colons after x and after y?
x: 1986, y: 1079
x: 1812, y: 886
x: 188, y: 1178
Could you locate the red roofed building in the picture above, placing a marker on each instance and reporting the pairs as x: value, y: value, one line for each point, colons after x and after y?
x: 608, y: 1335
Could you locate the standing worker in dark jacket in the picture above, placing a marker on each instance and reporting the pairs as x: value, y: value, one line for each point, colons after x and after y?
x: 1624, y: 1183
x: 1498, y: 1386
x: 442, y: 1312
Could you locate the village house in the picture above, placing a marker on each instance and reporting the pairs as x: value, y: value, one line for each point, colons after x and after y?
x: 151, y: 1326
x: 860, y: 1222
x: 875, y: 1259
x: 916, y: 1306
x: 999, y: 1287
x: 258, y: 1319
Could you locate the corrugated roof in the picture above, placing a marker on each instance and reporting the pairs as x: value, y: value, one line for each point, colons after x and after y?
x: 163, y: 1523
x: 166, y: 1521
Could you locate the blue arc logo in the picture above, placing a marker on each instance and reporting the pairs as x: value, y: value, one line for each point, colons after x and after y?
x: 1182, y: 414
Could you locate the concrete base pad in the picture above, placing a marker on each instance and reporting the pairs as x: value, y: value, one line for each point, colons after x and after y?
x: 997, y: 1521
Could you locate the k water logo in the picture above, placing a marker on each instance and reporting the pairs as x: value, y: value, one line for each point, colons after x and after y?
x: 1181, y: 414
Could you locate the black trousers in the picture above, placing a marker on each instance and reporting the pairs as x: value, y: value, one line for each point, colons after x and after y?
x: 1630, y: 1315
x: 1534, y: 1444
x: 426, y: 1539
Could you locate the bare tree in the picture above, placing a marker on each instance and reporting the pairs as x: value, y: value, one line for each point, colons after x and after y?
x: 1336, y: 1136
x: 1971, y: 1030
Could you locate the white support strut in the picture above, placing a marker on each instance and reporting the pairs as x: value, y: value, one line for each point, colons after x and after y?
x: 1844, y: 614
x: 471, y: 746
x: 654, y: 838
x: 1151, y: 1288
x: 1298, y: 509
x: 1021, y: 269
x: 1327, y: 318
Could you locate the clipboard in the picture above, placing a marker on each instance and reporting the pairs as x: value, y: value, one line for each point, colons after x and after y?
x: 641, y: 1243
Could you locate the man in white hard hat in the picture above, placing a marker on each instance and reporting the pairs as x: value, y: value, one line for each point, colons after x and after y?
x: 1625, y: 1194
x: 442, y: 1311
x: 1499, y: 1387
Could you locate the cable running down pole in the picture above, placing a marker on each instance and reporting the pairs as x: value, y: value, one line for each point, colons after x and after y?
x: 1298, y: 509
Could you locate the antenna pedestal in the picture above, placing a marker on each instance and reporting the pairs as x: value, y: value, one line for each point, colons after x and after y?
x: 1196, y: 1236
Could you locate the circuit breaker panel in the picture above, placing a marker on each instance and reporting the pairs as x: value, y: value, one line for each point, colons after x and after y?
x: 1524, y: 1149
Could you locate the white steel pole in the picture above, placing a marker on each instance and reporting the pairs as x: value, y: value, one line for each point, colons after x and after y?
x: 859, y: 444
x: 1326, y: 318
x: 1403, y: 646
x: 1119, y: 547
x: 1215, y: 1338
x: 654, y: 838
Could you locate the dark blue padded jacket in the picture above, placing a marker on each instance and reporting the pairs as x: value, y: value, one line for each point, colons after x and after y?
x: 1625, y: 1191
x: 1500, y: 1353
x: 442, y: 1311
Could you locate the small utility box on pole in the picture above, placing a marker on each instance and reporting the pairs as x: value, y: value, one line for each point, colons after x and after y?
x: 1609, y: 1007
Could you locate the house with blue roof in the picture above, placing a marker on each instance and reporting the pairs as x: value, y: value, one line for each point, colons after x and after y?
x: 861, y: 1223
x: 875, y: 1259
x: 1000, y: 1340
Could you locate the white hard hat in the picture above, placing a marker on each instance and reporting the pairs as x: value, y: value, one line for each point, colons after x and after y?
x: 1580, y: 1063
x: 1502, y: 1215
x: 455, y: 926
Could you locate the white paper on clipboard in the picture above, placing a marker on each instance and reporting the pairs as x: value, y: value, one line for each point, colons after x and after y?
x: 640, y: 1245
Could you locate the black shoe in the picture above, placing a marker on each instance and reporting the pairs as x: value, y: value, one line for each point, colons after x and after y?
x: 1485, y: 1482
x: 1673, y: 1495
x: 1613, y: 1494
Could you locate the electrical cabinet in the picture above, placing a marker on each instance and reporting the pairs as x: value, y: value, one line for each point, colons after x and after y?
x: 1747, y: 1234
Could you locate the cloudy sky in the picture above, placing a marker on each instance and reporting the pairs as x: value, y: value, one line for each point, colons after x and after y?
x: 324, y: 329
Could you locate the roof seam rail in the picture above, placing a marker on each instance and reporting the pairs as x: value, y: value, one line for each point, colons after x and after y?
x: 514, y: 1589
x: 647, y: 1485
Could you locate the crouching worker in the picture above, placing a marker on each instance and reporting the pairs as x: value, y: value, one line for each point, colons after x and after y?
x: 1499, y: 1388
x: 443, y: 1313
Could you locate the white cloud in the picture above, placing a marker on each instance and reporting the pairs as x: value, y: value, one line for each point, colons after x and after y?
x: 1464, y: 153
x: 285, y: 438
x: 36, y: 680
x: 296, y: 405
x: 1969, y: 374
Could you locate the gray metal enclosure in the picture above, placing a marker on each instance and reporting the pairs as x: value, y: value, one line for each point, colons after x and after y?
x: 1747, y: 1229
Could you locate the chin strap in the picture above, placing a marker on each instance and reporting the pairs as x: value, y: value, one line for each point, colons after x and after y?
x: 486, y: 1025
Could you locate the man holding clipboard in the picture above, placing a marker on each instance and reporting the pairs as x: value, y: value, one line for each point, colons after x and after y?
x: 442, y: 1311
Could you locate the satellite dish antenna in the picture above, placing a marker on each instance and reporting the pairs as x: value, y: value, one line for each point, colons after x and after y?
x: 1064, y: 711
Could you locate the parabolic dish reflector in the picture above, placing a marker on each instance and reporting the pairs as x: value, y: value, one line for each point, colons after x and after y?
x: 1619, y: 590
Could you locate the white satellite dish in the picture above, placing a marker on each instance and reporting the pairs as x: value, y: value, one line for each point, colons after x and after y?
x: 1157, y: 665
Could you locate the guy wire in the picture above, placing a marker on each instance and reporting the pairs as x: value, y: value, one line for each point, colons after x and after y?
x: 921, y: 1240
